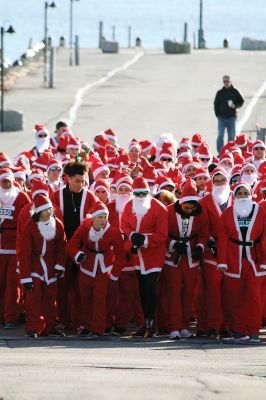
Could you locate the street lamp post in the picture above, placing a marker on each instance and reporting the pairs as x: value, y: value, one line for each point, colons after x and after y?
x: 46, y: 6
x: 3, y: 31
x: 201, y: 43
x: 71, y: 34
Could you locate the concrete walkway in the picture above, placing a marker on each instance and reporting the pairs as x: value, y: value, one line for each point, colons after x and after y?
x: 138, y: 93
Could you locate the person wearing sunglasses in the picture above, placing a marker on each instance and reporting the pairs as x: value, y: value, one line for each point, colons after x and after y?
x: 258, y: 151
x: 42, y: 138
x: 226, y: 102
x: 54, y: 173
x: 144, y: 222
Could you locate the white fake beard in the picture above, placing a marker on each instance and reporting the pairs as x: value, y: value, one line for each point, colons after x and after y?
x: 95, y: 236
x: 47, y: 229
x: 250, y: 179
x: 113, y: 196
x: 141, y: 205
x: 205, y: 164
x: 121, y: 201
x: 42, y: 144
x: 8, y: 196
x: 243, y: 207
x: 220, y: 194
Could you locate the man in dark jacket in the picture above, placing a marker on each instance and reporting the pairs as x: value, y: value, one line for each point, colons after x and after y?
x: 227, y: 100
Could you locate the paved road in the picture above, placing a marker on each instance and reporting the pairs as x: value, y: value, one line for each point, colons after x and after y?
x: 159, y: 93
x: 117, y: 369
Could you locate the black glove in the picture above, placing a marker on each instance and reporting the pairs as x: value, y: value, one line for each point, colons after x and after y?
x: 28, y: 286
x: 180, y: 248
x: 137, y: 239
x: 212, y: 246
x: 81, y: 258
x: 58, y: 273
x: 197, y: 252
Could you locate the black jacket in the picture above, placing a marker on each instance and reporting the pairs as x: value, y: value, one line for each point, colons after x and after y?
x: 221, y: 107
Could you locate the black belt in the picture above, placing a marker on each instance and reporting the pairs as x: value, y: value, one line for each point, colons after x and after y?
x: 183, y: 239
x: 95, y: 251
x: 2, y: 229
x: 251, y: 243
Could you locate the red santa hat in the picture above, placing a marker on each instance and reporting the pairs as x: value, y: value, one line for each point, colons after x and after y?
x: 66, y: 132
x: 124, y: 181
x: 111, y: 151
x: 4, y: 161
x: 54, y: 163
x: 41, y: 203
x: 36, y: 173
x: 62, y: 142
x: 219, y: 170
x: 100, y: 141
x: 123, y: 160
x: 167, y: 151
x: 97, y: 167
x: 6, y: 173
x: 239, y: 185
x: 73, y: 143
x: 19, y: 172
x: 185, y: 142
x: 197, y: 139
x: 241, y: 141
x: 40, y: 130
x: 189, y: 193
x: 202, y: 172
x: 247, y: 155
x: 235, y: 171
x: 163, y: 181
x: 110, y: 134
x: 98, y: 209
x: 140, y: 185
x: 102, y: 184
x: 226, y: 156
x: 149, y: 173
x: 204, y: 151
x: 147, y: 146
x: 238, y: 159
x: 39, y: 187
x: 258, y: 143
x: 43, y: 160
x: 134, y: 144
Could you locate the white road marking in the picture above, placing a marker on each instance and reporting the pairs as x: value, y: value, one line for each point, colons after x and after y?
x: 80, y: 93
x: 250, y: 107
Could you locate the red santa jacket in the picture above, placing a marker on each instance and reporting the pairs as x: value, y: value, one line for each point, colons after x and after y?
x: 230, y: 254
x: 154, y: 226
x: 38, y: 256
x: 198, y: 231
x: 107, y: 253
x: 24, y: 217
x: 88, y: 202
x: 8, y: 222
x: 115, y: 221
x: 214, y: 214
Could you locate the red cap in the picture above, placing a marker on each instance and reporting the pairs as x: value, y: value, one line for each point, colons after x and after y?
x: 140, y: 184
x: 41, y: 203
x: 189, y: 193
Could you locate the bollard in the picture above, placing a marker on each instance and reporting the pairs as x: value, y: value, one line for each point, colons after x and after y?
x: 138, y: 42
x: 100, y: 34
x: 113, y: 35
x: 194, y: 40
x: 77, y: 50
x: 225, y: 44
x: 62, y: 41
x: 52, y: 67
x: 129, y: 37
x: 185, y: 32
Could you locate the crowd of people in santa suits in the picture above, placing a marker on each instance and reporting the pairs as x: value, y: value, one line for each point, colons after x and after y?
x: 94, y: 237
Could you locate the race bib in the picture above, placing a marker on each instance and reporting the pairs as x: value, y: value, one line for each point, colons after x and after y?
x: 7, y: 212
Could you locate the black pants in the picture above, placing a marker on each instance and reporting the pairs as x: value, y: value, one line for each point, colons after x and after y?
x: 148, y: 293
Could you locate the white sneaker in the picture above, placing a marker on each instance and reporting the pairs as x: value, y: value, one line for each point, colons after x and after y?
x: 186, y: 334
x: 175, y: 335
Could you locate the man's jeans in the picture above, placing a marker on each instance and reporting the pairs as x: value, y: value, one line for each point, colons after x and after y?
x: 230, y: 125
